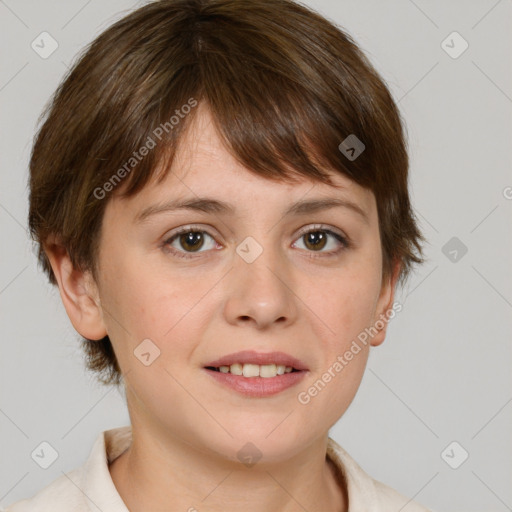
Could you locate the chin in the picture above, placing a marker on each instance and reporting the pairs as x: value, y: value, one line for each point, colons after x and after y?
x: 258, y: 444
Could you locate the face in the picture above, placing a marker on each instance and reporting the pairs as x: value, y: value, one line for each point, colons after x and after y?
x: 201, y: 284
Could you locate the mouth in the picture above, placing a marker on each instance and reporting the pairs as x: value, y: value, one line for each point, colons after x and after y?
x: 254, y: 370
x: 257, y: 364
x: 257, y: 374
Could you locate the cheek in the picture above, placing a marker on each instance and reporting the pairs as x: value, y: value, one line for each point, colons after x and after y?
x: 346, y: 302
x: 132, y: 300
x: 145, y: 302
x: 346, y: 307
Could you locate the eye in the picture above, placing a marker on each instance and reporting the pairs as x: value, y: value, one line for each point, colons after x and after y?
x: 189, y: 240
x: 318, y: 238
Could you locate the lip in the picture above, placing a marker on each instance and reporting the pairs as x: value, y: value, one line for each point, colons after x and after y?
x: 257, y: 387
x: 259, y: 358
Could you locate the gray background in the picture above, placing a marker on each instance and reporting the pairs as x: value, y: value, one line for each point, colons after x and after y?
x: 444, y: 371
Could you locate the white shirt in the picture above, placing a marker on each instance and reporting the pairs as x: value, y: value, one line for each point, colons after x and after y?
x: 90, y: 488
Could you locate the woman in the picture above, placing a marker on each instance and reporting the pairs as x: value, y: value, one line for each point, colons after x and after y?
x: 219, y: 190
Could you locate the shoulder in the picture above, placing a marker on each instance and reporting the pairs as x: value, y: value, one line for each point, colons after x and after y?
x: 88, y: 486
x: 364, y: 492
x: 390, y: 499
x: 62, y: 495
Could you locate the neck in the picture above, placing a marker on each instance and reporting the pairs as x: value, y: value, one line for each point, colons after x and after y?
x: 174, y: 475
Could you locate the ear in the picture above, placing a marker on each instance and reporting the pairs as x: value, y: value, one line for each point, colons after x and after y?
x: 78, y: 291
x: 384, y: 304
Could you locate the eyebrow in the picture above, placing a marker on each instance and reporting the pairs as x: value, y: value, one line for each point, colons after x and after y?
x: 210, y: 205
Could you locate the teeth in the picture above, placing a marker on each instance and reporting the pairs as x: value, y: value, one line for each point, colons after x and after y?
x: 251, y: 370
x: 268, y: 370
x: 236, y: 369
x: 255, y: 370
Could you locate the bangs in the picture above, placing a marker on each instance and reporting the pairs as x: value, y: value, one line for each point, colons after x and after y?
x: 279, y: 120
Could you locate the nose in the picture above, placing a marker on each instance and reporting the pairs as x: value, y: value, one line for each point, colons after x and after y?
x: 261, y: 292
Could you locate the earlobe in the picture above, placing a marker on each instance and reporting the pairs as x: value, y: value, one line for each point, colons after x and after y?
x: 78, y: 292
x: 384, y: 304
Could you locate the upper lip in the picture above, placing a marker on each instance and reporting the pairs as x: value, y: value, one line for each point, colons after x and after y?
x: 260, y: 358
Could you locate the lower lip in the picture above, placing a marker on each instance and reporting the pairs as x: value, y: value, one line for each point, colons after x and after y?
x: 258, y: 386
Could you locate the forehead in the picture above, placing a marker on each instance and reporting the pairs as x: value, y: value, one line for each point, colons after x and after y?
x: 204, y: 167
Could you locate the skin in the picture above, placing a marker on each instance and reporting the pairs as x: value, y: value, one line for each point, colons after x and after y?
x: 187, y: 428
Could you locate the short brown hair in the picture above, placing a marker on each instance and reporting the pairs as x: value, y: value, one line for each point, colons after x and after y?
x: 284, y: 85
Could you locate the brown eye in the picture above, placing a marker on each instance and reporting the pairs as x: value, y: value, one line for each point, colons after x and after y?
x: 192, y: 241
x: 188, y: 241
x: 315, y: 240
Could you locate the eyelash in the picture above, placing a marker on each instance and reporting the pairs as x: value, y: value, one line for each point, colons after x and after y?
x: 344, y: 241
